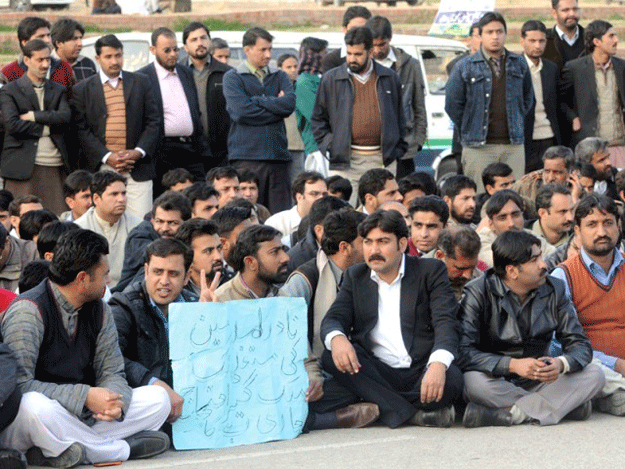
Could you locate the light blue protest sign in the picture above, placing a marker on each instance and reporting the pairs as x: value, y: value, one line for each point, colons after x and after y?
x: 240, y: 367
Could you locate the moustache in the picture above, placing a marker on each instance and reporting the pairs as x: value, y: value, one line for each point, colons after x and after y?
x: 603, y: 238
x: 377, y: 257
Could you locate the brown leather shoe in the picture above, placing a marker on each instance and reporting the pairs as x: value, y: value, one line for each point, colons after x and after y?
x: 357, y: 415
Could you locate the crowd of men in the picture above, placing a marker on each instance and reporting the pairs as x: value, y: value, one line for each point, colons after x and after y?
x: 496, y: 294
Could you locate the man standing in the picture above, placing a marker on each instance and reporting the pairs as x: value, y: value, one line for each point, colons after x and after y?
x: 487, y: 97
x: 31, y: 28
x: 541, y: 122
x: 593, y: 91
x: 413, y: 89
x: 358, y: 118
x: 565, y: 41
x: 118, y: 123
x: 36, y: 114
x: 109, y: 218
x: 354, y: 16
x: 509, y: 317
x: 182, y: 143
x: 77, y: 406
x: 258, y: 98
x: 400, y: 313
x: 66, y: 35
x: 208, y: 74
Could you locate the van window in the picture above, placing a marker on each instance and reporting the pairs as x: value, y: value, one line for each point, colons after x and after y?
x: 435, y: 62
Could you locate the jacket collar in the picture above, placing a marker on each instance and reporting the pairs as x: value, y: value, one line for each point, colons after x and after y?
x: 242, y: 69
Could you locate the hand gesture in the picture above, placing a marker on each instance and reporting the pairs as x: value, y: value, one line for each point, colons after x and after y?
x: 433, y: 383
x: 344, y: 355
x: 208, y: 293
x: 105, y: 404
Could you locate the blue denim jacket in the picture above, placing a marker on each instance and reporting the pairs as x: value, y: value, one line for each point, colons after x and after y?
x: 468, y: 91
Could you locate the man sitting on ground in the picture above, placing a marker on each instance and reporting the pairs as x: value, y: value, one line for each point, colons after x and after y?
x: 77, y: 193
x: 459, y: 194
x: 458, y: 247
x: 204, y: 200
x: 555, y: 214
x: 375, y: 187
x: 428, y: 215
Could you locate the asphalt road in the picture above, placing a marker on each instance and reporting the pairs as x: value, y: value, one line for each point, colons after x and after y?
x: 596, y: 443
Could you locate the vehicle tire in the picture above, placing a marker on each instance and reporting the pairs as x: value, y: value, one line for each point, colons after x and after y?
x: 20, y: 5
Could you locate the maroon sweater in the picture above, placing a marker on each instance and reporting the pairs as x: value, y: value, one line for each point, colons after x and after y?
x: 60, y: 72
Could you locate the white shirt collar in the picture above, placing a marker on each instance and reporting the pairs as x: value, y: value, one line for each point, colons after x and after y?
x: 533, y: 68
x: 400, y: 274
x: 390, y: 59
x: 564, y: 37
x: 104, y: 78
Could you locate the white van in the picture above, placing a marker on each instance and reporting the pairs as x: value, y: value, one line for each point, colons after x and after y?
x: 26, y: 5
x: 433, y: 53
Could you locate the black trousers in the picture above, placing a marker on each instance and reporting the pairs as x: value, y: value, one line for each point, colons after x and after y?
x: 535, y: 152
x: 405, y: 166
x: 397, y: 391
x: 274, y: 188
x: 175, y: 153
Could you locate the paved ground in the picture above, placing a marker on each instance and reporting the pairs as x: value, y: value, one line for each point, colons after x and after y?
x: 596, y: 443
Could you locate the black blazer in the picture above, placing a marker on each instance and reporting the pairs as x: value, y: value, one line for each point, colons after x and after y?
x: 332, y: 60
x: 21, y: 137
x: 578, y: 93
x: 549, y: 80
x: 200, y: 144
x: 428, y: 309
x: 143, y: 122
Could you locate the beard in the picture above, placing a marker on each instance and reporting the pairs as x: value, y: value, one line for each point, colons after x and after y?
x: 461, y: 218
x: 355, y: 67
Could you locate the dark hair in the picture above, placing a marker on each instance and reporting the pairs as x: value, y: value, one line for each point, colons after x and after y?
x: 248, y: 243
x: 359, y: 35
x: 589, y: 171
x: 63, y: 30
x: 242, y: 202
x: 533, y: 25
x: 76, y: 251
x: 473, y: 27
x: 16, y: 204
x: 170, y: 201
x: 593, y: 201
x: 355, y: 11
x: 560, y: 151
x: 251, y: 36
x: 162, y: 31
x: 380, y: 26
x: 217, y: 43
x: 247, y: 175
x: 193, y: 26
x: 546, y: 193
x: 102, y: 179
x: 496, y: 202
x: 389, y: 221
x: 50, y: 234
x: 6, y: 198
x: 283, y: 57
x: 165, y: 247
x: 456, y: 184
x: 200, y: 191
x: 109, y: 40
x: 221, y: 172
x: 78, y: 181
x: 341, y: 225
x: 493, y: 170
x: 417, y: 181
x: 228, y: 218
x: 34, y: 46
x: 461, y: 237
x: 32, y: 275
x: 3, y: 235
x: 176, y: 176
x: 306, y: 177
x: 490, y: 17
x: 29, y: 26
x: 595, y: 30
x: 314, y: 44
x: 512, y: 248
x: 372, y: 182
x: 340, y: 184
x: 430, y: 203
x: 32, y: 222
x: 324, y: 206
x: 194, y: 228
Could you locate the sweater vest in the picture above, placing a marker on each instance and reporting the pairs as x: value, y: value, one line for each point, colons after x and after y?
x: 600, y: 308
x: 63, y: 359
x: 366, y: 125
x: 497, y: 110
x: 115, y: 117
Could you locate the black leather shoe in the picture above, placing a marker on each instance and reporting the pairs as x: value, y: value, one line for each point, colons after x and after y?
x: 147, y: 444
x: 479, y: 416
x: 71, y: 457
x: 581, y: 412
x: 12, y: 459
x: 443, y: 418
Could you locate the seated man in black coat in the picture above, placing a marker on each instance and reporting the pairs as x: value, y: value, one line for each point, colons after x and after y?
x: 509, y: 317
x: 400, y: 313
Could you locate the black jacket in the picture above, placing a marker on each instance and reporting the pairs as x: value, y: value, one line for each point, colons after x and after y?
x: 332, y: 60
x: 21, y: 137
x: 134, y: 253
x: 553, y: 49
x: 142, y: 336
x: 549, y: 80
x: 143, y: 122
x: 578, y: 94
x: 427, y: 309
x: 331, y: 119
x: 491, y: 335
x: 10, y: 394
x: 303, y: 251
